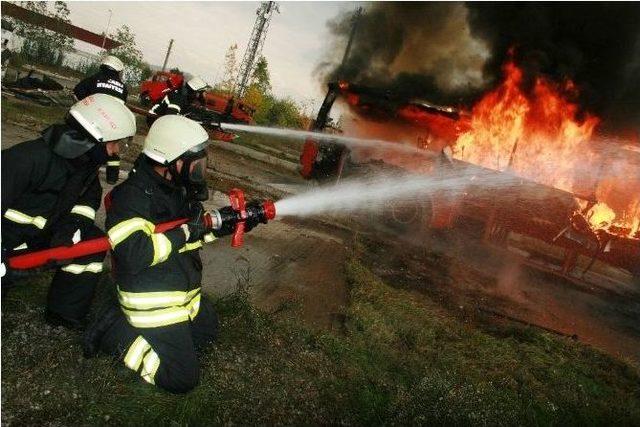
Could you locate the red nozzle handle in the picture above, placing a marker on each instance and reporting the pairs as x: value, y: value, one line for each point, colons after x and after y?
x: 269, y: 209
x: 238, y: 204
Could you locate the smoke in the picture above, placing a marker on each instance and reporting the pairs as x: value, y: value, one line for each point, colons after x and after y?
x: 597, y: 45
x: 414, y: 49
x: 451, y: 52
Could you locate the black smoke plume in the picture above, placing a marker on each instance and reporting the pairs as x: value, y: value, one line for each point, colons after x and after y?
x: 451, y: 52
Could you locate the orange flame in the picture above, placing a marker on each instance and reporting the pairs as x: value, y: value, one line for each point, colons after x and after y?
x: 540, y: 135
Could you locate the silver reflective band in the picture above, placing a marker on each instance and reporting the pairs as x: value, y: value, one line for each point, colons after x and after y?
x: 21, y: 218
x: 83, y: 210
x: 94, y: 267
x: 20, y: 247
x: 113, y: 163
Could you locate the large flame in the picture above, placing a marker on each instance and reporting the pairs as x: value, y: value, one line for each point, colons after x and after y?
x: 542, y: 136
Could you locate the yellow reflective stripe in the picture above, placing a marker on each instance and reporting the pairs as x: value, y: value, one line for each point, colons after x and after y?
x: 22, y: 246
x: 21, y: 218
x: 147, y: 300
x: 87, y: 211
x: 94, y: 267
x: 209, y: 237
x: 194, y: 307
x: 161, y: 248
x: 156, y: 318
x: 150, y: 365
x: 121, y: 231
x: 113, y: 163
x: 191, y: 246
x: 133, y: 358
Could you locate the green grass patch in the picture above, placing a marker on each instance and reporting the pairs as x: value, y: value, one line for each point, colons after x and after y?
x: 19, y: 111
x: 401, y: 359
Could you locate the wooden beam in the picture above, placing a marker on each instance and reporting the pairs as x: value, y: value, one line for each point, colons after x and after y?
x: 40, y: 20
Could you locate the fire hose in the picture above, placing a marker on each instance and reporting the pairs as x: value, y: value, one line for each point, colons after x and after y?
x: 241, y: 212
x: 213, y: 127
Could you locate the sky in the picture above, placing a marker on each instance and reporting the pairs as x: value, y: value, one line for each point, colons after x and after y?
x: 203, y: 31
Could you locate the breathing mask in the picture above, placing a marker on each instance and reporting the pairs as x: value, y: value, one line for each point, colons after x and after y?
x: 193, y: 175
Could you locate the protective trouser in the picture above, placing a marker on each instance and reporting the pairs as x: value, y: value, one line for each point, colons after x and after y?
x: 163, y: 352
x: 73, y: 284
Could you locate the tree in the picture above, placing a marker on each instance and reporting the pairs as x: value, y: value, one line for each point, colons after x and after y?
x: 260, y: 77
x: 129, y: 54
x: 260, y: 86
x: 42, y: 45
x: 228, y: 83
x: 278, y: 112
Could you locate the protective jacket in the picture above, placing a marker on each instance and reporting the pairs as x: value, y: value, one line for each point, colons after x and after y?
x: 105, y: 81
x: 158, y: 274
x: 49, y: 200
x: 175, y: 102
x: 44, y: 193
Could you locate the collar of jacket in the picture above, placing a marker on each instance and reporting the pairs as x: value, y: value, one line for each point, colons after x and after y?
x: 145, y: 169
x: 66, y: 141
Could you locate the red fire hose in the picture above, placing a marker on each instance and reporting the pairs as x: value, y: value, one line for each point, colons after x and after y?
x: 102, y: 244
x: 87, y: 247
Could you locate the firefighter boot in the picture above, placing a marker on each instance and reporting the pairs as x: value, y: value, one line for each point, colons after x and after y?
x: 96, y: 330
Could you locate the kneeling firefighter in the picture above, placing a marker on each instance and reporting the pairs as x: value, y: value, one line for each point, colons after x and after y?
x: 50, y: 194
x: 161, y: 317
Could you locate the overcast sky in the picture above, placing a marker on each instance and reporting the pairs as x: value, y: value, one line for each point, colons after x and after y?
x: 203, y: 31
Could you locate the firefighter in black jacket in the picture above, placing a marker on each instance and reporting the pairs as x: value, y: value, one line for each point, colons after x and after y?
x: 50, y: 194
x: 107, y: 80
x: 162, y: 317
x: 183, y: 100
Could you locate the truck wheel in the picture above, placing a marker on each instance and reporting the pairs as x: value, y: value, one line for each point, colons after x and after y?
x: 407, y: 216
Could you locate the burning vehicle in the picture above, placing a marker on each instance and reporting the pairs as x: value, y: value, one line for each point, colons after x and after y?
x: 571, y: 187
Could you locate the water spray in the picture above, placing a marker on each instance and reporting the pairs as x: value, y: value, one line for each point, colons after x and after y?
x: 371, y: 194
x: 325, y: 138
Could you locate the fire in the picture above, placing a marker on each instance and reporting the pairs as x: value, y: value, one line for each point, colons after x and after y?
x: 600, y: 215
x: 542, y: 136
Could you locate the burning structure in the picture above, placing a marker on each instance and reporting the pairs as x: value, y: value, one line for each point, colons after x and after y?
x: 569, y: 142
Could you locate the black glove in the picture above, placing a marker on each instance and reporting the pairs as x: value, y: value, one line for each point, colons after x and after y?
x: 197, y: 225
x: 9, y: 275
x: 64, y: 232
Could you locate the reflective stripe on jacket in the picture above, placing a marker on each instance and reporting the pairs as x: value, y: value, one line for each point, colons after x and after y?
x: 158, y: 274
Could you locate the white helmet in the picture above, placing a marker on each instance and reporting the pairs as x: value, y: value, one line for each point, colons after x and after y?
x: 172, y: 136
x: 105, y: 117
x: 197, y: 84
x: 113, y: 63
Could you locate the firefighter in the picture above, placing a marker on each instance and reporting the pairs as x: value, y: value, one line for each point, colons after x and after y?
x: 184, y: 100
x: 50, y: 194
x: 106, y: 80
x: 160, y: 318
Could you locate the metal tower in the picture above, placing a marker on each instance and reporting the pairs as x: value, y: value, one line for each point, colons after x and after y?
x: 254, y: 47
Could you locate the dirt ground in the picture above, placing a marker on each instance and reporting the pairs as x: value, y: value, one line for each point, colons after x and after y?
x: 300, y: 263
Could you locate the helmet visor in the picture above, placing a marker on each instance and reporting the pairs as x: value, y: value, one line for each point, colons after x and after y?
x: 198, y: 169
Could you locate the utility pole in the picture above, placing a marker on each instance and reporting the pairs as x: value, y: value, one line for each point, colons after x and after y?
x: 166, y: 57
x: 323, y: 114
x: 106, y: 32
x: 354, y: 26
x: 254, y: 47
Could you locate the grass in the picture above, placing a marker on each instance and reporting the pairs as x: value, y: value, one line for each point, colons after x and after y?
x: 401, y: 359
x: 30, y: 112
